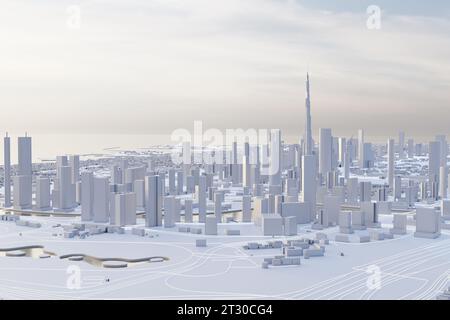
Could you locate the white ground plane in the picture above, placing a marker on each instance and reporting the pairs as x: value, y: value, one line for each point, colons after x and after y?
x: 401, y: 268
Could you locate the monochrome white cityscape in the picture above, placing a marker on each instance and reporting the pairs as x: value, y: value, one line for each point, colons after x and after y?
x: 255, y: 154
x: 337, y: 218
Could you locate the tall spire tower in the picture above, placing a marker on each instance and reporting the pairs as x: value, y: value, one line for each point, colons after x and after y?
x: 7, y: 170
x: 308, y: 134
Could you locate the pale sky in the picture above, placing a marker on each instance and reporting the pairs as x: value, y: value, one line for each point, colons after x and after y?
x: 151, y: 66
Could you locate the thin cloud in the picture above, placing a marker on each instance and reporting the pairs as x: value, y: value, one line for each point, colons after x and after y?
x: 138, y: 66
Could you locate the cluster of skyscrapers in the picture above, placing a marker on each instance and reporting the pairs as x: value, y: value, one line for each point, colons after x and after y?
x: 307, y: 184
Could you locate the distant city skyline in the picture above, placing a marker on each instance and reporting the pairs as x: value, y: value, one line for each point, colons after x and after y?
x: 149, y: 67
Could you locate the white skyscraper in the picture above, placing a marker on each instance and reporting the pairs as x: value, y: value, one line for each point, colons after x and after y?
x: 124, y: 209
x: 7, y: 170
x: 347, y: 158
x: 334, y: 152
x: 325, y: 151
x: 74, y: 163
x: 275, y: 157
x: 22, y: 192
x: 101, y: 199
x: 188, y: 210
x: 235, y: 171
x: 24, y: 155
x: 367, y: 156
x: 43, y: 193
x: 352, y: 190
x: 361, y: 147
x: 246, y: 172
x: 401, y: 144
x: 434, y: 160
x: 443, y: 181
x: 153, y: 205
x: 308, y: 145
x: 365, y: 191
x: 410, y: 148
x: 139, y: 189
x: 443, y: 149
x: 201, y: 198
x: 23, y: 180
x: 66, y: 189
x: 123, y: 164
x: 87, y: 196
x: 172, y: 184
x: 116, y: 174
x: 342, y: 149
x: 169, y: 211
x: 62, y: 161
x: 218, y: 206
x: 390, y: 159
x: 397, y: 187
x: 309, y: 187
x: 187, y: 159
x: 246, y: 209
